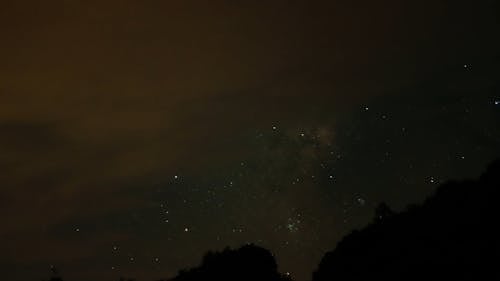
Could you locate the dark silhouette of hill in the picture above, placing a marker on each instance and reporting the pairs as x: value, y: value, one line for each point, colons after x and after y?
x: 246, y: 263
x: 453, y: 235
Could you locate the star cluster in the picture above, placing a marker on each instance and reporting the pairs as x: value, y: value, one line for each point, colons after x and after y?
x: 136, y: 136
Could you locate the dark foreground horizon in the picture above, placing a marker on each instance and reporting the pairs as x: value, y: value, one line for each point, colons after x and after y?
x: 137, y: 135
x: 453, y: 235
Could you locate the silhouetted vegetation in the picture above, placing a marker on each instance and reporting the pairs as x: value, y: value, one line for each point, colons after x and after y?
x: 247, y: 263
x: 453, y: 235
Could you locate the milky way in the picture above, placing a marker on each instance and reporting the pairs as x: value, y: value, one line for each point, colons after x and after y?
x: 134, y: 137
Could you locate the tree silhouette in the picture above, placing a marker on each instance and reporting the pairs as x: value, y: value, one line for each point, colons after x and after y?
x: 383, y: 211
x: 453, y: 235
x: 246, y: 263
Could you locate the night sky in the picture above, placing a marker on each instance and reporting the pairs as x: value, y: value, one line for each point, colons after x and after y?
x: 137, y: 135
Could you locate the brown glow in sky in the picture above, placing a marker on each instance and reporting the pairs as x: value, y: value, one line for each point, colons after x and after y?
x: 103, y: 101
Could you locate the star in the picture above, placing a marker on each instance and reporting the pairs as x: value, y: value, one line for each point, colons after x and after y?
x: 361, y: 201
x: 293, y: 224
